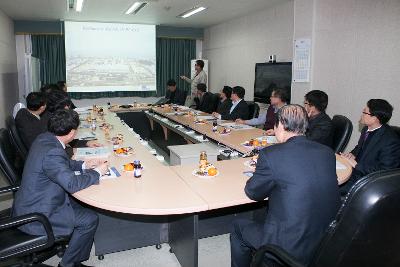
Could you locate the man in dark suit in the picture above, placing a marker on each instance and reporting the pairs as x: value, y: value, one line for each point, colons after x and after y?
x: 320, y: 125
x: 378, y: 147
x: 28, y: 121
x: 239, y: 108
x: 175, y: 95
x: 205, y: 100
x: 299, y: 178
x: 225, y: 103
x: 49, y: 178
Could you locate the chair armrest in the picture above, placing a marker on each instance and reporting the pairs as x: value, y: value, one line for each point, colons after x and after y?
x: 8, y: 189
x: 275, y: 251
x: 29, y: 218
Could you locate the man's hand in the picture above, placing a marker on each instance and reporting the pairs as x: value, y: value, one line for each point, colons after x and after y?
x: 102, y: 168
x: 93, y: 143
x: 93, y: 163
x: 350, y: 159
x: 348, y: 155
x: 270, y: 132
x: 183, y: 77
x: 240, y: 121
x: 215, y: 114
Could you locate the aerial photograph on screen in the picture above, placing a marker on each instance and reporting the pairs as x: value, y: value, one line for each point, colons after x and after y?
x: 110, y: 57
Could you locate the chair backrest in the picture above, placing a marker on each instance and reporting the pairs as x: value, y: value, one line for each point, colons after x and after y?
x: 15, y: 138
x: 17, y: 107
x: 396, y: 129
x: 366, y: 229
x: 342, y: 129
x: 214, y: 102
x: 9, y: 164
x: 254, y: 109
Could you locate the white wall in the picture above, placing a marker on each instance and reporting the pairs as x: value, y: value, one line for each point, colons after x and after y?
x: 356, y: 53
x: 234, y: 47
x: 8, y: 68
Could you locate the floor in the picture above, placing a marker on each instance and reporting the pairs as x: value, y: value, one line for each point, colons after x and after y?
x: 213, y: 251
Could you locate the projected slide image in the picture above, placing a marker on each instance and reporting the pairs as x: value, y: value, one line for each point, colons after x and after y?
x: 110, y: 57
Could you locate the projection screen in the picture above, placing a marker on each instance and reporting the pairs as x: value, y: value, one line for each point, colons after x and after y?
x: 110, y: 57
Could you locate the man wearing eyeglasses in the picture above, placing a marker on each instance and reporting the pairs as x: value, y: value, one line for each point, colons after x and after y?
x: 378, y: 147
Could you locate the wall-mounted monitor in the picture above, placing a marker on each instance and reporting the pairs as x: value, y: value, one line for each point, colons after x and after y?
x: 270, y: 76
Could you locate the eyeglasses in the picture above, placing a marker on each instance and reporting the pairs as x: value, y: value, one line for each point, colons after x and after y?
x: 366, y: 113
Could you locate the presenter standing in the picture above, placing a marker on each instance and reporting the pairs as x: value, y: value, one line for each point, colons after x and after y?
x: 199, y: 77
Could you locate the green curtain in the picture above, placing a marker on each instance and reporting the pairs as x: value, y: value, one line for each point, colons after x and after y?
x: 50, y: 50
x: 173, y: 60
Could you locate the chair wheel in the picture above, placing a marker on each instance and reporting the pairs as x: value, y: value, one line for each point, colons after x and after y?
x: 100, y: 257
x: 158, y: 246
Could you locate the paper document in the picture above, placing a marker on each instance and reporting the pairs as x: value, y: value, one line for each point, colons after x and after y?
x: 112, y: 173
x: 85, y: 135
x: 235, y: 126
x: 92, y: 152
x: 206, y: 118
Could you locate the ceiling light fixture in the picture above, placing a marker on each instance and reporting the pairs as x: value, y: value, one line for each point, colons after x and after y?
x: 191, y: 12
x: 79, y: 5
x: 135, y: 7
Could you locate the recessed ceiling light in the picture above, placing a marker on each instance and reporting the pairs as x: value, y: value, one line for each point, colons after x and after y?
x: 79, y: 5
x: 135, y: 7
x: 191, y: 12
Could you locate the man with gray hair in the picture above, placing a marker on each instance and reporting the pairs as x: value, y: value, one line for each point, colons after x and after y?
x: 299, y: 178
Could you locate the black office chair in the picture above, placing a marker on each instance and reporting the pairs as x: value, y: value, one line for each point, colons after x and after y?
x: 20, y: 249
x: 254, y: 109
x: 9, y: 164
x: 15, y: 138
x: 396, y: 129
x: 214, y: 102
x: 365, y: 231
x: 342, y: 129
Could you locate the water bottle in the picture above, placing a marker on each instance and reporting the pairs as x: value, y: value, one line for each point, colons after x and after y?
x: 137, y: 169
x: 215, y: 126
x: 93, y: 125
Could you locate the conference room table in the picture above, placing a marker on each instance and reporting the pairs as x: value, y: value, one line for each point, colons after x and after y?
x: 171, y: 193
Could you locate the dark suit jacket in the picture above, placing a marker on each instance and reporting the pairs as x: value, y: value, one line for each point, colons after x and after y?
x: 29, y: 126
x: 47, y: 181
x: 224, y: 107
x: 382, y: 152
x: 206, y: 103
x: 299, y: 177
x: 241, y: 111
x: 179, y: 97
x: 74, y: 143
x: 320, y: 129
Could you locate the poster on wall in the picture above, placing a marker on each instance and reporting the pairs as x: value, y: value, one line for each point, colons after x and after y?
x: 302, y: 60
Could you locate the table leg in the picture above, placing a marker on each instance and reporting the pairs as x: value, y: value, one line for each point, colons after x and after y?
x: 151, y: 124
x: 183, y: 239
x: 165, y: 130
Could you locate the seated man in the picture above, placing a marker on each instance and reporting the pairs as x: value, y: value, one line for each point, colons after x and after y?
x: 28, y: 121
x: 57, y: 100
x: 224, y: 106
x: 204, y: 99
x: 378, y: 147
x: 299, y: 178
x: 239, y: 108
x: 278, y: 99
x: 62, y: 85
x: 175, y: 95
x: 320, y: 125
x: 49, y: 179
